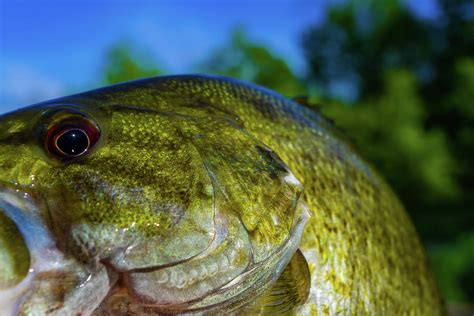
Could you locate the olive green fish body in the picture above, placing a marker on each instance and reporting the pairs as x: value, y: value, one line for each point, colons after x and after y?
x: 192, y: 194
x: 361, y: 247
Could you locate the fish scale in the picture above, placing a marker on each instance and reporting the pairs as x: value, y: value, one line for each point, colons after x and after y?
x: 181, y: 156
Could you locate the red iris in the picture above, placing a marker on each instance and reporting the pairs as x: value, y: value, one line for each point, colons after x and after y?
x: 72, y: 138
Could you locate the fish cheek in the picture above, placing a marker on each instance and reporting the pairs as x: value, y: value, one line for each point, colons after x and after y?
x: 135, y: 203
x: 184, y: 194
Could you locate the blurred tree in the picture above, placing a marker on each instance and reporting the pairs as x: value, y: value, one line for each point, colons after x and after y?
x: 389, y: 129
x: 453, y: 264
x: 415, y: 124
x: 123, y: 63
x: 246, y: 60
x: 362, y: 39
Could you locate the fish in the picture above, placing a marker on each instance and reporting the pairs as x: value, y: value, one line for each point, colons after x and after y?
x: 198, y: 194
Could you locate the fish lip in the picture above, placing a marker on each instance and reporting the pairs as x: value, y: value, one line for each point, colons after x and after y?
x: 47, y: 259
x: 25, y: 209
x: 20, y: 206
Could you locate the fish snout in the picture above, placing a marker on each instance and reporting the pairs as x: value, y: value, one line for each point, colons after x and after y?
x: 51, y: 281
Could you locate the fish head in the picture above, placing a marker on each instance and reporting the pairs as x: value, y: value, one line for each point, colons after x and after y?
x: 158, y: 184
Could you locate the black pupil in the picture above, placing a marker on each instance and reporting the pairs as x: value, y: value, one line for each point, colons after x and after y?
x: 73, y: 142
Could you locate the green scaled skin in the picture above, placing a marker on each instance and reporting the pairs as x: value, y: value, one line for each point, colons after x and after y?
x: 192, y: 196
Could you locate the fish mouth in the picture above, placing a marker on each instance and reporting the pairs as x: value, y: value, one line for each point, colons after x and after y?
x: 51, y: 275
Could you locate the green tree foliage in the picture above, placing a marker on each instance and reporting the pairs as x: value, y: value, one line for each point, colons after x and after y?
x: 246, y: 60
x: 452, y: 264
x: 389, y: 129
x: 411, y: 112
x: 123, y: 63
x: 362, y: 39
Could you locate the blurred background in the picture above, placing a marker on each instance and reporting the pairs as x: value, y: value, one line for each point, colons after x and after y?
x: 397, y: 76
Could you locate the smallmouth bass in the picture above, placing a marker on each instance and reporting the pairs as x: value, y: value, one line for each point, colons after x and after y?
x: 197, y: 194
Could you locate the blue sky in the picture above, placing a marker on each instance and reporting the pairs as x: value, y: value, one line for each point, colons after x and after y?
x: 52, y: 48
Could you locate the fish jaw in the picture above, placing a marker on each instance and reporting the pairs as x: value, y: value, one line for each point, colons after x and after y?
x: 50, y: 272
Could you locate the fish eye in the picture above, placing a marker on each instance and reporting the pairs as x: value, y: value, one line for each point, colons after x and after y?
x: 69, y: 136
x: 72, y: 142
